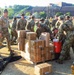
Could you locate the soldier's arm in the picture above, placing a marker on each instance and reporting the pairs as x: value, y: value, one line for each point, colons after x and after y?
x: 60, y: 33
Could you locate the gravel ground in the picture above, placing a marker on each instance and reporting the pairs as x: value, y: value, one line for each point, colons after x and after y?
x: 22, y: 67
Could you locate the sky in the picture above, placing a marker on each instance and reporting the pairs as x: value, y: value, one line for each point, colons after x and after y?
x: 4, y: 3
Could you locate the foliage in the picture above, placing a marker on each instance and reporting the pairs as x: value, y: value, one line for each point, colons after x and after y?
x: 42, y: 14
x: 11, y: 12
x: 68, y: 13
x: 27, y: 14
x: 36, y: 14
x: 1, y: 11
x: 59, y: 13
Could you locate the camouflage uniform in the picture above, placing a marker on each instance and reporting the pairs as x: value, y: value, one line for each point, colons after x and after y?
x: 68, y: 28
x: 4, y: 24
x: 58, y: 25
x: 31, y: 25
x: 21, y: 24
x: 54, y: 22
x: 47, y: 22
x: 13, y: 30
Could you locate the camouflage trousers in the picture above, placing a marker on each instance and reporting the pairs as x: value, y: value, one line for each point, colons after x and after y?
x: 65, y: 53
x: 13, y: 35
x: 5, y: 34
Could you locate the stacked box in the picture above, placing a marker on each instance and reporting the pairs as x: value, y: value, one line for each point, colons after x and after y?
x: 51, y: 47
x: 21, y: 44
x: 31, y: 35
x: 21, y: 39
x: 27, y: 50
x: 45, y: 36
x: 21, y: 33
x: 37, y: 51
x: 49, y: 52
x: 27, y: 46
x: 43, y: 69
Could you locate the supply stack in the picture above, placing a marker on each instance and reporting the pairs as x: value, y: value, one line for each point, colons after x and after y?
x: 36, y: 50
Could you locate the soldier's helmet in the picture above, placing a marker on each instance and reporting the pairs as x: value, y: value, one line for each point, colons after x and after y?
x: 5, y: 11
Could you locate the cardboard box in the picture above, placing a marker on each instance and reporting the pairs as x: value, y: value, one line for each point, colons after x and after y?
x: 21, y: 44
x: 43, y: 69
x: 37, y: 47
x: 31, y: 35
x: 21, y: 33
x: 45, y: 36
x: 51, y: 46
x: 37, y: 44
x: 27, y: 46
x: 37, y: 58
x: 48, y: 54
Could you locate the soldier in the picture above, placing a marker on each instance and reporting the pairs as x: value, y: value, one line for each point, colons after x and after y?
x: 68, y: 29
x: 21, y: 23
x: 68, y: 20
x: 13, y: 30
x: 54, y: 21
x: 40, y: 28
x: 47, y: 21
x: 43, y: 28
x: 42, y: 21
x: 31, y: 23
x: 59, y: 22
x: 4, y: 24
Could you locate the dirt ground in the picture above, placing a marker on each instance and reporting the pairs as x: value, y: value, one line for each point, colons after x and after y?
x: 22, y: 67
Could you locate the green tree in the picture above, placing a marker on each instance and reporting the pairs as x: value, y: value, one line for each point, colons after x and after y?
x: 68, y: 13
x: 11, y: 12
x: 1, y: 11
x: 27, y: 14
x: 36, y: 14
x: 42, y: 14
x: 59, y: 13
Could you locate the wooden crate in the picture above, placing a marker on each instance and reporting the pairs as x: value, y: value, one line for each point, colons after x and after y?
x: 21, y: 33
x: 27, y: 46
x: 21, y: 44
x: 37, y: 58
x: 49, y: 52
x: 31, y: 35
x: 45, y: 36
x: 43, y: 69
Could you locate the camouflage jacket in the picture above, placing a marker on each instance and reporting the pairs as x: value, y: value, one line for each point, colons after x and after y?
x: 66, y: 29
x: 4, y: 24
x: 30, y: 24
x: 14, y: 24
x: 21, y: 24
x: 47, y: 22
x: 59, y: 23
